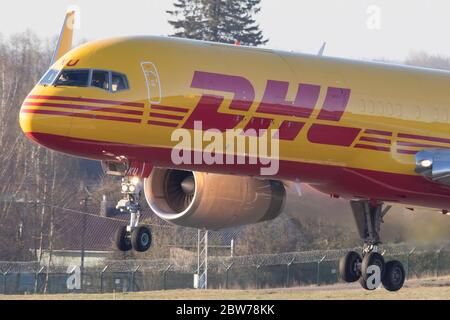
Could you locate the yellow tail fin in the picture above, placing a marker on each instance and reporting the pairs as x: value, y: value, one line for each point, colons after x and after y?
x: 65, y: 38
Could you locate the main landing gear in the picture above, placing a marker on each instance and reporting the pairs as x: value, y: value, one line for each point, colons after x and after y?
x: 371, y: 270
x: 132, y: 236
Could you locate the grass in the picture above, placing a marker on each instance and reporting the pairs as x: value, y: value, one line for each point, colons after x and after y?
x: 414, y: 289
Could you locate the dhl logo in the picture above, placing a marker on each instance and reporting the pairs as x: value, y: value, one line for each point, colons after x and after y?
x: 273, y: 103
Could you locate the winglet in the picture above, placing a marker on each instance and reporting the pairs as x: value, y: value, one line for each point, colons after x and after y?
x: 65, y: 38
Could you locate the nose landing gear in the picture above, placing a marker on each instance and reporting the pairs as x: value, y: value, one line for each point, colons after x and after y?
x: 132, y: 236
x: 371, y: 269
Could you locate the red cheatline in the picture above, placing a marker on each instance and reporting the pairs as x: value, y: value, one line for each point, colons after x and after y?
x: 167, y: 108
x: 80, y: 115
x: 165, y: 116
x: 407, y: 151
x: 376, y: 140
x: 377, y: 148
x: 417, y: 145
x: 413, y: 136
x: 160, y: 123
x: 379, y: 132
x: 112, y: 102
x: 82, y: 107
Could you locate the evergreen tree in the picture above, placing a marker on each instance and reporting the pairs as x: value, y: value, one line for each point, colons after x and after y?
x: 188, y: 23
x: 227, y: 21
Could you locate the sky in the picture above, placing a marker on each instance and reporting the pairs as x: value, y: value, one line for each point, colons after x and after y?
x: 361, y: 29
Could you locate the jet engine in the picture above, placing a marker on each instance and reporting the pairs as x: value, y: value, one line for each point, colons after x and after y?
x: 212, y: 201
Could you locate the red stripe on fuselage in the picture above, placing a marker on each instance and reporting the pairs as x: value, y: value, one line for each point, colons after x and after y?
x: 376, y: 140
x: 82, y: 107
x: 370, y: 147
x: 418, y: 145
x: 403, y: 151
x: 332, y: 135
x: 165, y: 116
x: 161, y: 123
x: 80, y: 115
x: 167, y: 108
x: 413, y: 136
x: 379, y: 132
x: 63, y: 98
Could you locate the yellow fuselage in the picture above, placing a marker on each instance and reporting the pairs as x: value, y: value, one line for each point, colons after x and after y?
x: 349, y: 128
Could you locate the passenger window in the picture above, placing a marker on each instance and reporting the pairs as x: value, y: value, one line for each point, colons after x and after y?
x: 363, y: 106
x: 390, y: 109
x: 73, y: 78
x: 100, y: 79
x: 119, y: 82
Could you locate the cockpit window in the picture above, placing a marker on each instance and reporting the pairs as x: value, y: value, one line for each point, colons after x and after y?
x: 49, y: 77
x: 119, y: 82
x: 103, y: 79
x: 100, y: 79
x: 73, y: 78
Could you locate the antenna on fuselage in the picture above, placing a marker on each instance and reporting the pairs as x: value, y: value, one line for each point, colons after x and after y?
x: 64, y: 44
x: 322, y: 49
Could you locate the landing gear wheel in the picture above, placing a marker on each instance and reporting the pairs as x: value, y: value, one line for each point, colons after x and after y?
x: 123, y: 242
x: 394, y: 276
x: 363, y: 284
x: 368, y: 281
x: 348, y: 267
x: 141, y: 238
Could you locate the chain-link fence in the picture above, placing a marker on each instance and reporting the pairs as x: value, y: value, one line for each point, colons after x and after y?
x: 240, y: 272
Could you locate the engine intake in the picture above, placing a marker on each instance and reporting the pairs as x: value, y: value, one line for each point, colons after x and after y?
x: 212, y: 201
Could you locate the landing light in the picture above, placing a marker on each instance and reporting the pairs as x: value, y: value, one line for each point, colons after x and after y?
x: 135, y: 180
x: 426, y: 163
x: 124, y: 188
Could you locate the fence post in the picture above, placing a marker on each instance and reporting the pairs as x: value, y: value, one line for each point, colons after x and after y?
x: 256, y: 275
x: 165, y: 276
x: 318, y: 269
x: 101, y: 278
x: 438, y: 255
x: 227, y: 269
x: 36, y: 279
x: 288, y: 271
x: 5, y: 274
x: 407, y: 261
x: 132, y: 277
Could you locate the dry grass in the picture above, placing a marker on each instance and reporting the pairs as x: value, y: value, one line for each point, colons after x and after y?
x: 414, y: 289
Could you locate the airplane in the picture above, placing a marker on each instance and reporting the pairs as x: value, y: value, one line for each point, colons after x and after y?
x: 375, y: 134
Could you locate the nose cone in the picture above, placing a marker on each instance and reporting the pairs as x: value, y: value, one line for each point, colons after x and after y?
x: 39, y: 120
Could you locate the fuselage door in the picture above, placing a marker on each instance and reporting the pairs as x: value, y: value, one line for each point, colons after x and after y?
x: 153, y: 83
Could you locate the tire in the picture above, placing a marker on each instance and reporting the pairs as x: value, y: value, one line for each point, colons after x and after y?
x: 123, y: 242
x: 394, y: 276
x: 141, y: 238
x: 363, y: 283
x: 372, y: 258
x: 348, y: 267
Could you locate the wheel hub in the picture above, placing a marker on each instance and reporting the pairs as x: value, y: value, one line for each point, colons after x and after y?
x: 144, y: 239
x: 396, y: 275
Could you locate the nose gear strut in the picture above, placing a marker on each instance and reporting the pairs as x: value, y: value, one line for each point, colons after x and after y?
x: 133, y: 235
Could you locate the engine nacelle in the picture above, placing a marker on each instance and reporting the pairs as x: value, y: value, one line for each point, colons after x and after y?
x: 434, y: 165
x: 212, y: 201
